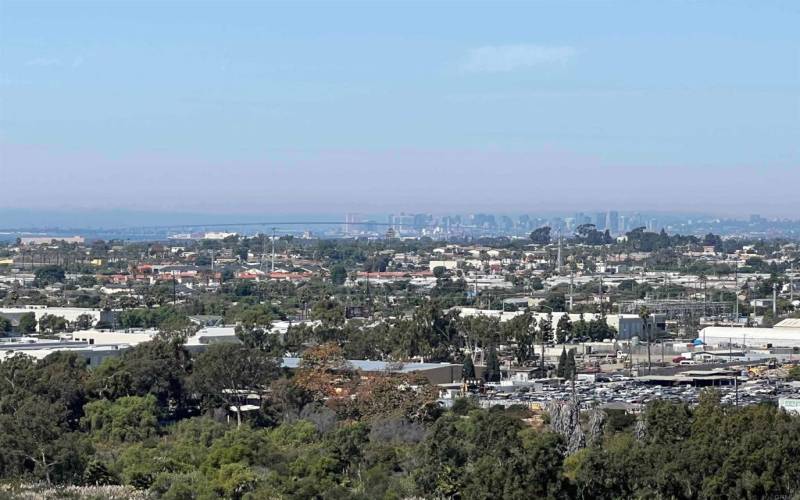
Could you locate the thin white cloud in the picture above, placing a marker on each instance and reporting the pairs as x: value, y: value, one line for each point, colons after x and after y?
x: 503, y: 58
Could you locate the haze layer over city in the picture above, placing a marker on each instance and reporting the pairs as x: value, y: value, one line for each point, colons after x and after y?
x: 400, y: 250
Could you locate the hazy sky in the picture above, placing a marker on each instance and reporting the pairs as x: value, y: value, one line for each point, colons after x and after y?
x: 376, y: 107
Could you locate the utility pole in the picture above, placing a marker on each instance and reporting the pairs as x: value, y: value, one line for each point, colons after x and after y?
x: 774, y: 300
x: 272, y: 266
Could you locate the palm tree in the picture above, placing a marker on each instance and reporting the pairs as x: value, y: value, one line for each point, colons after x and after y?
x: 703, y: 279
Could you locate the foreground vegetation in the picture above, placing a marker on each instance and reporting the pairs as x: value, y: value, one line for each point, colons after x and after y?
x: 154, y: 420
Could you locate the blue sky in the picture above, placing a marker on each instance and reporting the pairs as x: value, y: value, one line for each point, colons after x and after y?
x: 441, y: 106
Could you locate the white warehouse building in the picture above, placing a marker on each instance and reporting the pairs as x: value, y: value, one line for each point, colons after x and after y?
x: 751, y: 337
x: 70, y: 314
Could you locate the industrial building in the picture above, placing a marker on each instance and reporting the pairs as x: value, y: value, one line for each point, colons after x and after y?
x: 203, y: 337
x: 70, y: 314
x: 751, y: 337
x: 436, y: 373
x: 631, y: 325
x: 97, y: 345
x: 41, y: 348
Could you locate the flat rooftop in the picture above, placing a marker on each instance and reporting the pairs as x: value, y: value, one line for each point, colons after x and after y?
x: 377, y: 366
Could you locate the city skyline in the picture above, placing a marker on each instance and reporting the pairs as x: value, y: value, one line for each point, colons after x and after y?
x: 609, y: 224
x: 25, y: 218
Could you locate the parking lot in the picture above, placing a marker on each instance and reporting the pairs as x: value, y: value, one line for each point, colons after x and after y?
x: 632, y: 394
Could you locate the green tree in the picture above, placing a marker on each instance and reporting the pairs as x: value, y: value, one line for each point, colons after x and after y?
x: 254, y: 316
x: 488, y: 454
x: 563, y: 329
x: 86, y: 281
x: 562, y: 364
x: 50, y: 323
x: 599, y: 329
x: 228, y: 373
x: 546, y: 329
x: 667, y: 422
x: 37, y: 443
x: 492, y: 373
x: 554, y: 302
x: 27, y: 323
x: 59, y: 379
x: 480, y: 330
x: 48, y: 275
x: 329, y: 312
x: 429, y: 333
x: 338, y: 274
x: 570, y: 367
x: 541, y: 236
x: 176, y: 329
x: 242, y: 252
x: 40, y: 407
x: 468, y: 370
x: 128, y: 419
x: 83, y: 322
x: 233, y: 481
x: 110, y: 380
x: 257, y: 338
x: 157, y: 367
x: 520, y: 330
